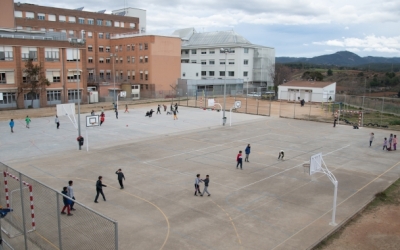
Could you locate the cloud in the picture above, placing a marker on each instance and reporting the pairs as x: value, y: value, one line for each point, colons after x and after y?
x: 346, y: 28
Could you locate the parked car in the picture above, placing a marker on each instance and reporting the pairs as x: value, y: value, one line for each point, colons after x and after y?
x: 268, y: 95
x: 254, y: 94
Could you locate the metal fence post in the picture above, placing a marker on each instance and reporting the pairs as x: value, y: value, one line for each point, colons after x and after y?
x: 362, y: 114
x: 309, y: 113
x: 59, y: 221
x: 280, y: 104
x: 257, y: 106
x: 294, y: 110
x: 270, y: 104
x: 23, y: 211
x: 383, y: 104
x: 187, y: 100
x: 116, y: 235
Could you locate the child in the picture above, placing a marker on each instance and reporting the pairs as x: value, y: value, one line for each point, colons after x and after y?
x: 66, y: 201
x: 394, y: 142
x: 281, y: 154
x: 239, y: 160
x: 247, y: 151
x: 27, y: 120
x: 102, y: 117
x: 126, y: 108
x: 197, y: 184
x: 371, y: 139
x: 12, y: 125
x: 206, y: 181
x: 384, y: 144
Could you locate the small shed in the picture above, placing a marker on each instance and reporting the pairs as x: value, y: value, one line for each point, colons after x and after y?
x: 310, y: 91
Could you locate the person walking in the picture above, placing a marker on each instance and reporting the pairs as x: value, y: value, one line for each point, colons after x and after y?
x: 239, y: 160
x: 206, y: 182
x: 281, y: 155
x: 116, y: 113
x: 384, y: 144
x: 99, y: 189
x: 66, y: 202
x: 175, y: 117
x: 158, y: 109
x: 27, y: 120
x: 71, y: 194
x: 126, y: 108
x: 247, y: 151
x: 176, y: 107
x: 12, y: 125
x: 120, y: 177
x: 394, y: 142
x: 57, y: 121
x: 102, y: 118
x: 371, y: 139
x: 334, y: 122
x: 197, y: 184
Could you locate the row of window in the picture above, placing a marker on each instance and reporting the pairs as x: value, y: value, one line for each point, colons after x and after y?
x: 210, y: 51
x: 221, y: 73
x: 52, y: 95
x: 72, y: 19
x: 8, y: 77
x: 129, y: 47
x: 30, y: 53
x: 129, y: 59
x: 119, y: 75
x: 212, y: 62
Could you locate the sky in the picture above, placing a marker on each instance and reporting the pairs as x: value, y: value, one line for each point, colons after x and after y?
x: 295, y: 28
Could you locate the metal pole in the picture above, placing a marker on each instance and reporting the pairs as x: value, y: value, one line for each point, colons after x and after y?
x: 247, y: 93
x: 59, y: 221
x: 333, y: 223
x: 280, y: 104
x: 23, y: 212
x: 87, y: 141
x: 309, y: 113
x: 116, y: 235
x: 257, y: 106
x: 383, y: 104
x: 79, y: 99
x: 294, y: 109
x: 270, y: 104
x: 223, y: 114
x: 187, y: 100
x: 230, y: 118
x: 113, y: 58
x: 362, y: 114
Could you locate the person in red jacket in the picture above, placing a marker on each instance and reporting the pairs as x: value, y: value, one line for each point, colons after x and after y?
x: 102, y: 118
x: 239, y: 160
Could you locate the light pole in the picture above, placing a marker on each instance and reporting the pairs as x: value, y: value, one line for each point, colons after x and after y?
x: 226, y: 51
x: 78, y: 42
x: 113, y: 56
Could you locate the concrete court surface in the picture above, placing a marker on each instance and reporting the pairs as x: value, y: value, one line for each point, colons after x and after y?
x: 270, y: 204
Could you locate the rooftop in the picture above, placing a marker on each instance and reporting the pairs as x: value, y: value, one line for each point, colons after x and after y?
x: 311, y: 84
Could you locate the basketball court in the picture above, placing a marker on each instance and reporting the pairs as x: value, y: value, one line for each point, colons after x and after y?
x: 270, y: 204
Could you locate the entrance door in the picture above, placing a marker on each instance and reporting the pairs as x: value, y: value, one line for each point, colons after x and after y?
x: 28, y: 100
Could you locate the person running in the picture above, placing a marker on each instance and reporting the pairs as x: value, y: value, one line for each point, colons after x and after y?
x: 12, y: 125
x: 120, y: 177
x: 206, y: 181
x: 158, y: 109
x: 66, y: 202
x: 247, y: 151
x: 27, y: 120
x: 176, y: 107
x: 116, y: 113
x: 239, y: 160
x: 384, y: 144
x: 197, y: 184
x: 102, y: 118
x: 175, y: 117
x: 371, y: 139
x: 57, y: 121
x: 126, y: 108
x: 281, y: 155
x: 394, y: 142
x: 71, y: 194
x: 99, y: 189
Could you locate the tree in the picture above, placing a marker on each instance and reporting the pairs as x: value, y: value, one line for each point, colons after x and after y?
x: 314, y: 75
x: 329, y: 72
x: 280, y: 72
x: 35, y: 79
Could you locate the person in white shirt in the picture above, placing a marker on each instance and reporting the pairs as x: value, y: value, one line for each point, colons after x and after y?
x: 71, y: 194
x: 197, y: 184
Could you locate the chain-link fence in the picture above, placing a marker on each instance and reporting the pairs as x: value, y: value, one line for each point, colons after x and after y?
x: 36, y: 222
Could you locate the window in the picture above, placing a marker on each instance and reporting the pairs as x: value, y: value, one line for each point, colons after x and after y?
x: 91, y: 77
x: 132, y: 25
x: 108, y: 60
x: 116, y: 48
x: 52, y: 54
x: 8, y: 98
x: 90, y: 21
x: 185, y: 51
x: 29, y: 53
x: 222, y: 73
x: 63, y: 31
x: 203, y: 51
x: 133, y: 59
x: 41, y: 16
x: 116, y: 60
x: 212, y: 52
x: 101, y: 74
x: 146, y: 77
x: 81, y: 20
x: 222, y: 62
x: 122, y: 25
x: 29, y: 15
x: 128, y: 75
x: 101, y: 49
x: 51, y: 17
x: 133, y: 75
x: 108, y: 75
x: 246, y: 50
x: 122, y: 60
x: 245, y: 73
x: 73, y: 55
x: 141, y: 59
x: 90, y: 34
x: 90, y: 59
x: 203, y: 62
x: 140, y: 46
x: 135, y: 86
x: 53, y: 75
x: 231, y: 62
x: 128, y: 47
x: 101, y: 35
x: 74, y: 95
x: 194, y: 52
x: 146, y: 59
x: 50, y: 30
x: 116, y: 24
x: 133, y: 47
x: 128, y: 59
x: 73, y: 76
x: 99, y: 22
x: 246, y: 62
x: 231, y: 73
x: 107, y: 35
x: 6, y: 53
x: 146, y: 46
x: 42, y: 29
x: 71, y: 33
x: 212, y: 62
x: 108, y: 49
x: 18, y: 13
x: 108, y: 23
x: 90, y: 48
x: 211, y: 73
x: 121, y: 73
x: 194, y: 61
x: 203, y: 73
x: 141, y: 75
x: 197, y: 74
x: 7, y: 77
x: 183, y: 74
x: 120, y: 48
x: 54, y: 95
x: 71, y: 19
x: 61, y: 18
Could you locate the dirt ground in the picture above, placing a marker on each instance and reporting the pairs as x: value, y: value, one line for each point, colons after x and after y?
x: 377, y: 227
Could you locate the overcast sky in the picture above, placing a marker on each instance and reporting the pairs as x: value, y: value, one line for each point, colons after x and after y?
x: 293, y: 27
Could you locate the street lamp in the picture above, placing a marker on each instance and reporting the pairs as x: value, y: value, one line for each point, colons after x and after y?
x: 113, y: 55
x: 78, y: 42
x: 226, y: 51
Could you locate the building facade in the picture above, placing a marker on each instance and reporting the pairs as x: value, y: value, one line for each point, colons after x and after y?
x: 309, y: 91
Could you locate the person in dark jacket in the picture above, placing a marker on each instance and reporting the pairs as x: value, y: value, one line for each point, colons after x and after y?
x: 206, y: 181
x: 247, y: 151
x: 66, y: 201
x: 239, y: 160
x: 176, y: 107
x: 99, y: 189
x: 120, y: 177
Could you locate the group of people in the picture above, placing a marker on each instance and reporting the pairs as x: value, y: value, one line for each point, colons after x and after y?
x: 197, y: 182
x: 239, y: 158
x: 173, y: 110
x: 389, y: 145
x: 27, y: 122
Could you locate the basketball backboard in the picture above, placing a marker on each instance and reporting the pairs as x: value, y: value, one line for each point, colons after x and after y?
x: 210, y: 102
x: 92, y: 121
x: 66, y: 109
x: 122, y: 94
x: 315, y: 163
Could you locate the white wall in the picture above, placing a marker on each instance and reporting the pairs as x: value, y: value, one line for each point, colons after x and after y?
x: 316, y: 96
x: 190, y: 71
x: 133, y: 12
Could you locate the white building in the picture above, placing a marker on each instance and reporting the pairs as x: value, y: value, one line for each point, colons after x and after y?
x: 247, y: 61
x: 134, y: 12
x: 310, y: 91
x: 191, y: 71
